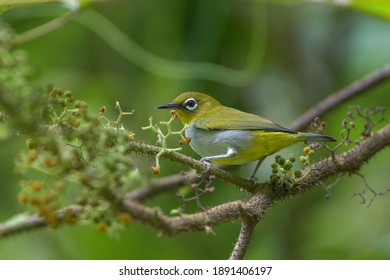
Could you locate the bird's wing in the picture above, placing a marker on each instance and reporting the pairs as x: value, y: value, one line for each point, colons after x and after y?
x: 230, y: 118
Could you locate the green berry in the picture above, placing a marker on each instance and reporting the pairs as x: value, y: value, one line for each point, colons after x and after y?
x: 62, y: 102
x: 297, y: 173
x: 68, y: 93
x: 274, y: 177
x: 53, y: 100
x: 55, y: 92
x: 30, y: 144
x: 77, y: 104
x: 83, y: 105
x: 175, y: 211
x: 281, y: 161
x: 287, y: 165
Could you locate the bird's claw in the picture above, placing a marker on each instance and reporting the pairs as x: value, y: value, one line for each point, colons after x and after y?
x: 254, y: 179
x: 208, y: 166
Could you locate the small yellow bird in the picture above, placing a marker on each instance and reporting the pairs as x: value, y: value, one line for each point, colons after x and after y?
x: 225, y: 135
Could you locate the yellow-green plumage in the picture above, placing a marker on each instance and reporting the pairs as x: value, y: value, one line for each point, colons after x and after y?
x: 264, y: 144
x: 226, y: 135
x: 210, y: 114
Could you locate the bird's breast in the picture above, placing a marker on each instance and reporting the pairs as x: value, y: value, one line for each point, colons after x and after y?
x: 217, y: 142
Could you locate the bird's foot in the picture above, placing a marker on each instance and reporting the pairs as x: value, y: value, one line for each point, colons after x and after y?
x: 208, y: 166
x: 254, y: 179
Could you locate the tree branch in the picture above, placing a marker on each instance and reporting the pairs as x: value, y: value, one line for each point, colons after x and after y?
x: 29, y: 223
x: 249, y: 221
x: 243, y: 240
x: 139, y: 147
x: 360, y: 86
x: 202, y: 221
x: 347, y: 162
x: 256, y: 206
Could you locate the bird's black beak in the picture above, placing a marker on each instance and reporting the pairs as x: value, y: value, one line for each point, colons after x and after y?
x: 170, y: 105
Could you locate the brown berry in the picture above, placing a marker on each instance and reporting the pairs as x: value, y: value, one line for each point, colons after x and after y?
x: 156, y: 169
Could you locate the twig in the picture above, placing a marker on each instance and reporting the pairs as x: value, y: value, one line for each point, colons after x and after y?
x: 333, y: 100
x: 367, y: 187
x: 156, y: 187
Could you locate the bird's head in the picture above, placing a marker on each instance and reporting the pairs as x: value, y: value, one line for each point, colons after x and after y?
x: 191, y: 106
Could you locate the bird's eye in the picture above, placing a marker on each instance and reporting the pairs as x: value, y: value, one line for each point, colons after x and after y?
x: 190, y: 104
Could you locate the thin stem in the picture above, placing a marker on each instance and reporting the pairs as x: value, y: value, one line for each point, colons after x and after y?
x: 156, y: 187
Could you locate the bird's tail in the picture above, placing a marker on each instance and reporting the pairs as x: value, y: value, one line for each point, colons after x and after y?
x: 316, y: 137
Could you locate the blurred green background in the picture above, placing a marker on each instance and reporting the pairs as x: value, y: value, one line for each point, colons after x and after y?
x: 291, y: 57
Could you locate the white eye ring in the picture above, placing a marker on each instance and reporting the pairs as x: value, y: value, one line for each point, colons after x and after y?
x: 190, y: 104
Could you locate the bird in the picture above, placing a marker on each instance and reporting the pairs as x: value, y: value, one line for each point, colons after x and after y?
x: 227, y: 136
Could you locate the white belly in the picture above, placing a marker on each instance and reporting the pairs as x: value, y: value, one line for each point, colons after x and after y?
x: 217, y: 142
